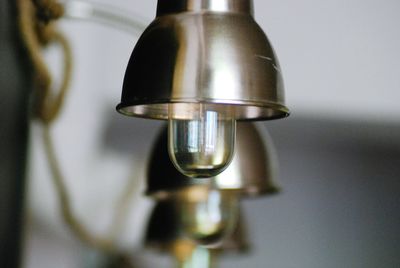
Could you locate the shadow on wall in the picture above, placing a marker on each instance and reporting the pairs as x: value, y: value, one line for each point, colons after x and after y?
x: 340, y: 201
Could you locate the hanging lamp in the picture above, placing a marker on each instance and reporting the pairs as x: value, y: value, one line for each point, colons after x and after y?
x: 209, y: 208
x: 203, y: 65
x: 251, y: 173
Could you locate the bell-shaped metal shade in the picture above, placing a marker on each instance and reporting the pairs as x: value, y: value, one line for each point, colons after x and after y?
x: 250, y: 173
x: 164, y: 231
x: 203, y: 51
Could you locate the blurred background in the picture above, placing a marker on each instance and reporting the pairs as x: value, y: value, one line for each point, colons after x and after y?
x: 339, y: 151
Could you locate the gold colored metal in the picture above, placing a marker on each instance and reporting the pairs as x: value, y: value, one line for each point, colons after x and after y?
x: 203, y: 51
x: 182, y: 249
x: 250, y: 173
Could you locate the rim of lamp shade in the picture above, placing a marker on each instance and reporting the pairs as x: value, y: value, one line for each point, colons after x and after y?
x: 251, y: 172
x: 210, y: 52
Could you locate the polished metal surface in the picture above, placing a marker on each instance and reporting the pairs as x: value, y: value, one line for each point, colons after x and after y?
x: 167, y: 7
x: 164, y: 231
x: 204, y: 51
x: 250, y: 173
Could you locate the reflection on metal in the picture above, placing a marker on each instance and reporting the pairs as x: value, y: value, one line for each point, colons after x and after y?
x: 250, y: 173
x: 164, y: 232
x: 203, y: 52
x: 207, y: 216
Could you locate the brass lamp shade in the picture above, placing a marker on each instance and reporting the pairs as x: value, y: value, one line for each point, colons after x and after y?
x: 163, y: 227
x: 250, y: 173
x: 203, y: 51
x: 164, y: 231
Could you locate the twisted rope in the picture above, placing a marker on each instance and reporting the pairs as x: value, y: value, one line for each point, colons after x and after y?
x: 37, y: 26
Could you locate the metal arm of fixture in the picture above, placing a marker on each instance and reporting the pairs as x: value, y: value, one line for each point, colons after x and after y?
x: 104, y: 14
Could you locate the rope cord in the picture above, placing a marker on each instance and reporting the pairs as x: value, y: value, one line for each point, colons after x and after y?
x: 65, y: 202
x: 37, y: 29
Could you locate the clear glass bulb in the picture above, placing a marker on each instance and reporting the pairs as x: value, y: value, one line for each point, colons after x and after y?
x: 201, y: 139
x: 208, y: 216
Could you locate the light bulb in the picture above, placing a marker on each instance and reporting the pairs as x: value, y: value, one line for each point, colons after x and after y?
x: 208, y: 217
x: 201, y: 138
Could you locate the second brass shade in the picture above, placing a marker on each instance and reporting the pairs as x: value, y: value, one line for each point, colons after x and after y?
x: 250, y: 173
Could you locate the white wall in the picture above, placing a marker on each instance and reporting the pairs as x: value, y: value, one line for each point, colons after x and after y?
x: 340, y: 59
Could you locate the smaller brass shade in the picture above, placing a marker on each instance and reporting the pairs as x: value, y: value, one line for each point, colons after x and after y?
x: 250, y: 173
x: 164, y: 231
x: 198, y: 51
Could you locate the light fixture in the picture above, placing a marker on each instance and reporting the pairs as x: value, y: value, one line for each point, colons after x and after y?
x: 251, y: 173
x: 168, y: 237
x: 208, y: 208
x: 203, y: 65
